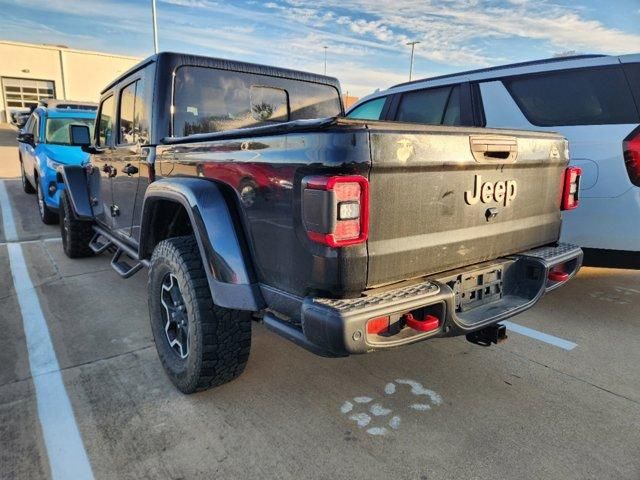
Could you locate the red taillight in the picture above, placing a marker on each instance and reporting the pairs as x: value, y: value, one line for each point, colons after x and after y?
x: 571, y: 189
x: 336, y: 209
x: 631, y: 148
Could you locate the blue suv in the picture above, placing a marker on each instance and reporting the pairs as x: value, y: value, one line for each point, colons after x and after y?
x: 44, y: 145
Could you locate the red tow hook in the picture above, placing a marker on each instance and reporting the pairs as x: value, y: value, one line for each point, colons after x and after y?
x: 429, y: 323
x: 557, y: 275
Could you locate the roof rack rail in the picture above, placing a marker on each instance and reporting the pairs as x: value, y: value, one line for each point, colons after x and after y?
x: 501, y: 67
x: 67, y: 104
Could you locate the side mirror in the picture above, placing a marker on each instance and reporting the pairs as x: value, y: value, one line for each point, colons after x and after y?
x: 79, y: 136
x: 25, y: 137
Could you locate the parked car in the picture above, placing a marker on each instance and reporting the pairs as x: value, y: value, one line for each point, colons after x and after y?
x: 44, y: 146
x: 593, y: 100
x: 379, y: 235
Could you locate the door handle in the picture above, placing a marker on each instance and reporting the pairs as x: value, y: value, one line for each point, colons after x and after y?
x: 497, y: 149
x: 129, y: 169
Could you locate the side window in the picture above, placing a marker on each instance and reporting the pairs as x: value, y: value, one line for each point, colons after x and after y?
x: 632, y: 71
x: 134, y: 124
x: 127, y: 112
x: 452, y: 114
x: 35, y: 126
x: 435, y: 106
x: 589, y: 96
x: 371, y: 110
x: 105, y: 122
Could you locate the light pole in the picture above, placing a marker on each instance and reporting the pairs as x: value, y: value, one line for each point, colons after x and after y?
x: 325, y: 59
x: 155, y: 26
x: 413, y: 46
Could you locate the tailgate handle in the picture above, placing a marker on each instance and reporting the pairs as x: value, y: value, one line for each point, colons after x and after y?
x: 494, y: 149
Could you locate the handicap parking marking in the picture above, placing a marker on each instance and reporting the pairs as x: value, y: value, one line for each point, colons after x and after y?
x: 541, y: 336
x: 383, y: 416
x: 65, y: 450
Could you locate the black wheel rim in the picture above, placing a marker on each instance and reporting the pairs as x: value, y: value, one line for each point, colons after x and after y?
x: 174, y: 316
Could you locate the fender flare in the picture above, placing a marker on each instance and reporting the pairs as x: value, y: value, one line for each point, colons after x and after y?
x: 224, y: 258
x: 76, y: 183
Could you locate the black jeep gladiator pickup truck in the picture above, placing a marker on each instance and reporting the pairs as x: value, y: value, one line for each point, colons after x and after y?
x: 247, y: 195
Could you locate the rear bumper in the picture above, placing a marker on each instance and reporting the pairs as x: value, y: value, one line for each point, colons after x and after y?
x: 464, y: 300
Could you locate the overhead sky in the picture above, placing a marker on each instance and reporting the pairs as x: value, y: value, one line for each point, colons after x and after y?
x: 365, y: 38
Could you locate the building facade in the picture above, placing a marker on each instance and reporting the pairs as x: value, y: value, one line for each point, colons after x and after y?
x: 30, y: 72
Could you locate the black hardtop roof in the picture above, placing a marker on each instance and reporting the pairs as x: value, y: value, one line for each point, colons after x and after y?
x: 501, y: 67
x: 178, y: 59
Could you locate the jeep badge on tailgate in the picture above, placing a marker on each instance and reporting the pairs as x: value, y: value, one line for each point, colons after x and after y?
x: 502, y: 192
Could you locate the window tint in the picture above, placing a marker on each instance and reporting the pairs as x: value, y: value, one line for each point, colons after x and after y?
x: 579, y: 97
x: 127, y: 111
x: 452, y: 114
x: 134, y: 125
x: 434, y: 106
x: 371, y: 110
x: 269, y: 104
x: 632, y: 71
x: 210, y: 100
x: 105, y: 122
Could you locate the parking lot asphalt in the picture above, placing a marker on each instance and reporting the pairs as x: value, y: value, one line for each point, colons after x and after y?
x: 526, y: 409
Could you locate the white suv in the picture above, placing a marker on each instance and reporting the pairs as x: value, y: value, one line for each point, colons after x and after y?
x: 593, y: 100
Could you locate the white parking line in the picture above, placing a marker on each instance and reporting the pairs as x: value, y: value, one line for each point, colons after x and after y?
x: 67, y: 456
x: 543, y: 337
x: 10, y: 233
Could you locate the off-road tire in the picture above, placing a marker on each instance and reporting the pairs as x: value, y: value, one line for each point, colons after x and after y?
x: 219, y: 338
x: 48, y: 216
x: 26, y: 185
x: 76, y: 234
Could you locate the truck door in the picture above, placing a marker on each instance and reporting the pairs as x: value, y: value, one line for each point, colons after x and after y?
x: 103, y: 161
x: 127, y: 158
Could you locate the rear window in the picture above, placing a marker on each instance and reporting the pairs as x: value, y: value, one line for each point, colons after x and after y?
x: 435, y: 106
x: 209, y: 100
x: 578, y: 97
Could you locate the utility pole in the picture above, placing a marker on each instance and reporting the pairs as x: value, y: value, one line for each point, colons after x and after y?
x: 413, y: 46
x: 155, y: 26
x: 325, y: 59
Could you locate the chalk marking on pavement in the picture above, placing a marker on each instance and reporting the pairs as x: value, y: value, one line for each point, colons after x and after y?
x: 543, y: 337
x: 67, y: 456
x: 10, y: 233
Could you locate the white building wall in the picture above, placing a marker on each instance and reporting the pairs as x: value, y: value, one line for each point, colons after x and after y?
x: 77, y: 74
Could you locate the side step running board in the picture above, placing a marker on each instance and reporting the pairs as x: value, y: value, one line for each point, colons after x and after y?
x: 102, y: 241
x: 98, y: 246
x: 122, y: 267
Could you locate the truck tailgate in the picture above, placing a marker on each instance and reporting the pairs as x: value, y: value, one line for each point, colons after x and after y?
x: 444, y: 197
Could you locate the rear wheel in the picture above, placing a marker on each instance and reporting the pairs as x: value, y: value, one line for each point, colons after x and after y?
x: 76, y: 234
x: 26, y: 186
x: 199, y: 344
x: 48, y: 216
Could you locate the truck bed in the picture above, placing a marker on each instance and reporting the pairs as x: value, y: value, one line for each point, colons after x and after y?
x: 427, y: 211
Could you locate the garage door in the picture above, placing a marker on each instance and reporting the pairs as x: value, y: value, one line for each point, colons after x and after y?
x: 20, y: 93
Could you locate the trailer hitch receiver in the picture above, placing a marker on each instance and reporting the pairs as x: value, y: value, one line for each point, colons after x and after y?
x: 485, y: 337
